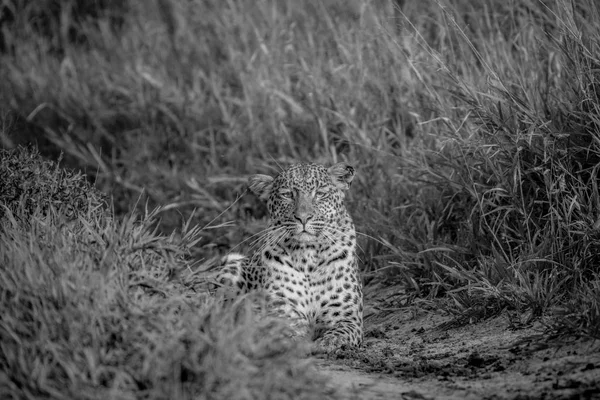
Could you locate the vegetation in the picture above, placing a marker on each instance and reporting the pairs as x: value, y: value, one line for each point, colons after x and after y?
x: 474, y: 127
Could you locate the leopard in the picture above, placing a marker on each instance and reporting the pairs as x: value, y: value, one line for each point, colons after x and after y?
x: 306, y: 261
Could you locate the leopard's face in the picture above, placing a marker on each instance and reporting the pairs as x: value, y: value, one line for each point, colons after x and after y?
x: 306, y: 201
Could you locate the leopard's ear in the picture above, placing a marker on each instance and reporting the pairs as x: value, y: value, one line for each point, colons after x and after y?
x: 261, y: 185
x: 341, y: 175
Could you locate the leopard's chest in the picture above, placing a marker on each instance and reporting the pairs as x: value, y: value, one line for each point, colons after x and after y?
x: 311, y: 278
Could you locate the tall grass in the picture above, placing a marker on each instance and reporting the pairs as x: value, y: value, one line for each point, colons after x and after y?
x: 518, y: 176
x: 474, y: 127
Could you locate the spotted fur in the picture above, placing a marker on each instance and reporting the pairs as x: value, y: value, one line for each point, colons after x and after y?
x: 306, y: 262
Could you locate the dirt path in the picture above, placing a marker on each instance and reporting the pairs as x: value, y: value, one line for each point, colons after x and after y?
x: 353, y: 382
x: 412, y: 354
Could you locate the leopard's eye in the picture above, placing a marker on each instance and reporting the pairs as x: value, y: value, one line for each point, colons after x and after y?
x: 286, y: 194
x: 321, y: 193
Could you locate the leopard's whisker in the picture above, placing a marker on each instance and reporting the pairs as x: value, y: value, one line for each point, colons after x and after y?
x: 275, y: 238
x: 266, y: 234
x: 261, y: 232
x: 336, y: 230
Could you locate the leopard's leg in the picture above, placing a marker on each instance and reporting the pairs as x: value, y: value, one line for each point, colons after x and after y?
x: 287, y: 309
x: 340, y: 320
x: 287, y: 298
x: 231, y: 278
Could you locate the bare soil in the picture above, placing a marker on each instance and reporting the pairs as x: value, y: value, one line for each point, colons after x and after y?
x: 411, y: 353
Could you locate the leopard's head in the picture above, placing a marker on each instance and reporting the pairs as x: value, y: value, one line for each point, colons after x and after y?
x: 306, y: 201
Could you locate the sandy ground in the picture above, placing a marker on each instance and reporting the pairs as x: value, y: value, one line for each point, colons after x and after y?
x: 410, y: 353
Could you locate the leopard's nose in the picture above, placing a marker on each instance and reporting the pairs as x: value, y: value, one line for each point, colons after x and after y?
x: 304, y: 209
x: 303, y: 218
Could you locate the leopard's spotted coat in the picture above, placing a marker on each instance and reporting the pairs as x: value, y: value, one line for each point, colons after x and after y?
x: 306, y: 263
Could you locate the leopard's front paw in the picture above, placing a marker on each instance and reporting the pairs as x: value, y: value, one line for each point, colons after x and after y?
x: 327, y: 344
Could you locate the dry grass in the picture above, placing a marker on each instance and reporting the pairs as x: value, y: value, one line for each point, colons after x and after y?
x: 474, y: 128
